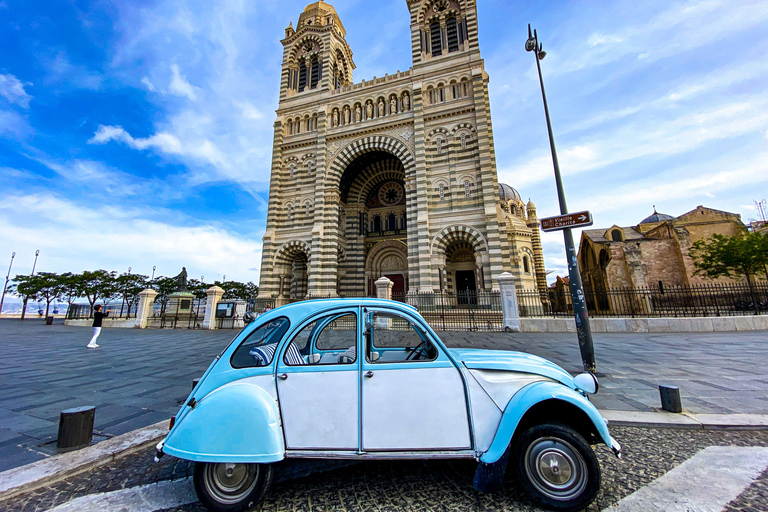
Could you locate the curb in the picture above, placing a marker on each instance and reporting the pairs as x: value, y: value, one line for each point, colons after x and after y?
x: 47, y: 471
x: 43, y: 472
x: 686, y: 420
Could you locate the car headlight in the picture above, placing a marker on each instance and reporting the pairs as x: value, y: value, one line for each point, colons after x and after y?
x: 587, y: 382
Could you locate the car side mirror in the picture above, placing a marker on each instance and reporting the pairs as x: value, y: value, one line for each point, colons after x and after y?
x: 314, y: 358
x: 368, y: 323
x: 249, y: 317
x: 374, y: 356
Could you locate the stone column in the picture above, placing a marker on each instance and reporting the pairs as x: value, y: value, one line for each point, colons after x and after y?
x: 509, y: 302
x: 214, y: 294
x: 146, y: 299
x: 384, y: 288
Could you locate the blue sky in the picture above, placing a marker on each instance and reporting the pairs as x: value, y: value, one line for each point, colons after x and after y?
x: 139, y: 133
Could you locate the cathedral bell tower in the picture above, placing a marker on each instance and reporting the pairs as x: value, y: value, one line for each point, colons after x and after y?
x: 316, y: 56
x: 442, y: 27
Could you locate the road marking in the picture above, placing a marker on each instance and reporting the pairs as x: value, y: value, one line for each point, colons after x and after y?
x: 706, y: 482
x: 147, y: 498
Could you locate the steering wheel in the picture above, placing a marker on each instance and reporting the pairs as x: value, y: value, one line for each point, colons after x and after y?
x: 417, y: 351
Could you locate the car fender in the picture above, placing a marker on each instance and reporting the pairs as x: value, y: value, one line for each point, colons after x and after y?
x: 238, y: 422
x: 529, y: 396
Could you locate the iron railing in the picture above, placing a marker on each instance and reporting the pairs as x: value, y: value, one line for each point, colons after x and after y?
x: 667, y: 301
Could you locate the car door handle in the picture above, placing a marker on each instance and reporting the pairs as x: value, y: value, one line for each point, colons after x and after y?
x: 283, y: 376
x: 368, y: 374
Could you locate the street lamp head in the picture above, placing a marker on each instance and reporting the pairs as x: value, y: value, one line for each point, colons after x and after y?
x: 541, y: 54
x: 530, y: 45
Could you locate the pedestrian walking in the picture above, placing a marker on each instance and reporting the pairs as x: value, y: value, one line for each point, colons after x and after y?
x: 98, y: 317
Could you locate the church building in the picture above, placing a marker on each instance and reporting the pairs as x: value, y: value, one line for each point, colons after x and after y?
x: 393, y: 176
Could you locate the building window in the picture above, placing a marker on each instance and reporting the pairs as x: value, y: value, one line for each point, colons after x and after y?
x: 376, y: 223
x: 315, y: 75
x: 436, y: 39
x: 308, y: 208
x: 302, y: 76
x: 391, y: 222
x: 290, y: 212
x: 526, y: 265
x: 463, y: 141
x: 466, y: 188
x: 439, y: 143
x: 453, y: 35
x: 293, y: 170
x: 403, y: 222
x: 442, y: 192
x: 616, y: 236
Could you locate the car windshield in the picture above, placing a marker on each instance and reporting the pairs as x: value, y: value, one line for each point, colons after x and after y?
x: 259, y: 347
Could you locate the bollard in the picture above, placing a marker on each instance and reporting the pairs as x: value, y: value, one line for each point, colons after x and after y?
x: 76, y: 427
x: 194, y: 383
x: 670, y: 398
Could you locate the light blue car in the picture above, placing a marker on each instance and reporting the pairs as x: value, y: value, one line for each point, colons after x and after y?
x: 369, y: 379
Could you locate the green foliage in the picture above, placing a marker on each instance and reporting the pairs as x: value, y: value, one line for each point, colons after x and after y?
x: 721, y: 255
x: 164, y: 286
x: 198, y: 288
x: 98, y: 284
x: 234, y: 290
x: 43, y: 286
x: 129, y: 286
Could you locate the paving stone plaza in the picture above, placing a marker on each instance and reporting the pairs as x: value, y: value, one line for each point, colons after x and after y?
x: 139, y: 377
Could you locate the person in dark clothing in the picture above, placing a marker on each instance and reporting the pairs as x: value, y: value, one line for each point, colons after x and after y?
x: 98, y: 317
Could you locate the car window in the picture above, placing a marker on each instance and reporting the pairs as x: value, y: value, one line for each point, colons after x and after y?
x: 258, y: 349
x: 394, y: 338
x: 328, y: 340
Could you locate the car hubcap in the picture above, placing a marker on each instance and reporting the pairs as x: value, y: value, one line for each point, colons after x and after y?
x: 556, y: 468
x: 231, y: 483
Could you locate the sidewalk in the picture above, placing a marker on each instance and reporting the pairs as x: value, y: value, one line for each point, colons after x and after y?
x: 140, y: 377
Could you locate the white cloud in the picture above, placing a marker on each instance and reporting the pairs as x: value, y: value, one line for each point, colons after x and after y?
x: 13, y: 125
x: 13, y: 90
x: 180, y: 86
x: 63, y: 72
x: 119, y: 238
x: 148, y: 84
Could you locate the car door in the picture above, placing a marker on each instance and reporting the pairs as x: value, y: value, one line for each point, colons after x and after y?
x: 318, y: 383
x: 412, y: 395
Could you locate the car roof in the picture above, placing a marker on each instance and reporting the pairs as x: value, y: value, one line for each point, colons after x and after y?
x: 310, y: 306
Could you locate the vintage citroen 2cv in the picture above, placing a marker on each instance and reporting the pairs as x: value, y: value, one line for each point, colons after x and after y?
x: 369, y: 379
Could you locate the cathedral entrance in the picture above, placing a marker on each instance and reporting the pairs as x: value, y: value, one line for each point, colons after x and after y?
x: 465, y: 287
x: 374, y: 224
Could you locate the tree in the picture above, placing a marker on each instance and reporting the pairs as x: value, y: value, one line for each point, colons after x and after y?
x: 25, y: 287
x: 198, y: 288
x: 164, y: 286
x: 129, y: 286
x: 50, y: 287
x: 72, y: 284
x: 730, y: 256
x: 234, y: 290
x: 98, y: 284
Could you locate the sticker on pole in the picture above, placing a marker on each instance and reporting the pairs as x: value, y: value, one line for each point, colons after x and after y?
x: 570, y: 220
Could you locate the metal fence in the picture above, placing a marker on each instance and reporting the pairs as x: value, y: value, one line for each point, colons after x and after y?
x: 84, y: 311
x: 444, y: 311
x: 667, y: 301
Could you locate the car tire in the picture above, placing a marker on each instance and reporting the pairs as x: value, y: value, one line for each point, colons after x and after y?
x: 224, y: 487
x: 557, y: 467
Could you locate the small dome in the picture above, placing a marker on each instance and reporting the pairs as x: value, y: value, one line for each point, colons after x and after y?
x: 530, y: 205
x: 656, y: 217
x: 321, y: 6
x: 507, y: 193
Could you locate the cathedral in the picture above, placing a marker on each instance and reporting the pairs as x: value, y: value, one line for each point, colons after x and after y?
x: 393, y: 176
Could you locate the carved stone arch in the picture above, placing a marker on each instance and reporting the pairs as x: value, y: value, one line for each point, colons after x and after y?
x: 371, y: 177
x: 438, y: 131
x: 384, y: 249
x: 436, y: 182
x: 463, y: 127
x: 289, y: 250
x: 471, y: 178
x: 299, y: 45
x: 462, y: 232
x: 367, y: 144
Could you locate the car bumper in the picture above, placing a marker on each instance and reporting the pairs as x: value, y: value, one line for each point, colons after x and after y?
x: 616, y: 447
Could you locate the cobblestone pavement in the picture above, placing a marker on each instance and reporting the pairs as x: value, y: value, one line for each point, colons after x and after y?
x: 139, y: 377
x: 422, y: 486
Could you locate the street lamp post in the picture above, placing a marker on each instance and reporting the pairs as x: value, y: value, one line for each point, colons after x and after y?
x: 153, y: 272
x: 583, y: 329
x: 7, y: 278
x: 24, y: 305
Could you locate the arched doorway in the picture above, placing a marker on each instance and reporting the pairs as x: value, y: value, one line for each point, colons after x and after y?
x: 373, y: 196
x: 461, y: 268
x: 292, y: 268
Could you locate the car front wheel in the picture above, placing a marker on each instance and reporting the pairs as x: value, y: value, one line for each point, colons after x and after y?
x: 557, y: 467
x: 226, y: 487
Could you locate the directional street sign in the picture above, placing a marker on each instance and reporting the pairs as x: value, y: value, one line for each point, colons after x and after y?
x: 570, y: 220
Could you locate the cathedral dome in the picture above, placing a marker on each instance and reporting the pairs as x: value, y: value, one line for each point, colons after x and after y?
x: 320, y: 6
x: 656, y: 217
x: 507, y: 193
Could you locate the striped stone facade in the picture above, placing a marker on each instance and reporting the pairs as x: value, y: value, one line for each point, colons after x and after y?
x: 393, y: 176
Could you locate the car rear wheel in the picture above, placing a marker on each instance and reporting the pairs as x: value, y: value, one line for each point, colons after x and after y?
x: 228, y: 487
x: 557, y: 467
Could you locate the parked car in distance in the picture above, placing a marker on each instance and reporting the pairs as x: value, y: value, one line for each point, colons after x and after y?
x: 368, y: 379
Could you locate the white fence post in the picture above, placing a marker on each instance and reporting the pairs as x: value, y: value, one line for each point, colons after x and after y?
x: 384, y: 288
x: 214, y: 294
x: 146, y: 299
x: 509, y: 302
